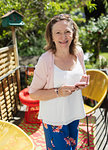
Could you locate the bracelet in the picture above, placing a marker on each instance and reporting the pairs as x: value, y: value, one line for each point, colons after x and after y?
x: 56, y: 90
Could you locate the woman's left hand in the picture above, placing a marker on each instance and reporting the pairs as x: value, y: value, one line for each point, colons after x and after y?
x: 84, y: 82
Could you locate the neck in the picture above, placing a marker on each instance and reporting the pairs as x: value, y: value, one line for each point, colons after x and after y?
x: 63, y: 53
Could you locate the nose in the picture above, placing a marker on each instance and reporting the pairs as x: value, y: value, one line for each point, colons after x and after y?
x: 63, y: 36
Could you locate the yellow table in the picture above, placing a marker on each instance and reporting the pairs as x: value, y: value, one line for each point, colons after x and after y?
x: 14, y: 138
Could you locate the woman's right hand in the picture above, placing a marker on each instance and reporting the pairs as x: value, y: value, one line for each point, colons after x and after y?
x: 66, y: 90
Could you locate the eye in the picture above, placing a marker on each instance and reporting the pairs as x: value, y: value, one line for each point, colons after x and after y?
x: 58, y: 32
x: 68, y: 31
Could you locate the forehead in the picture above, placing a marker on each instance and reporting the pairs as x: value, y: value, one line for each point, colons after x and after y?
x: 60, y: 25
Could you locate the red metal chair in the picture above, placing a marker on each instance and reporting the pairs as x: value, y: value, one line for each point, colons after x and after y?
x: 32, y: 108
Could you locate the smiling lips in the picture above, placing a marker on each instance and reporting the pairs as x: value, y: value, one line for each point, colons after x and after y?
x: 63, y: 42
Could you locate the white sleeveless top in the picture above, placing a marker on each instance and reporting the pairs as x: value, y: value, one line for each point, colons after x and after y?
x: 64, y: 110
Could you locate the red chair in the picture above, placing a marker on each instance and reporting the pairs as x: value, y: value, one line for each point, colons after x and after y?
x: 32, y: 109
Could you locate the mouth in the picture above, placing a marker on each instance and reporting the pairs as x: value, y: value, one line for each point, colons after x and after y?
x: 63, y: 42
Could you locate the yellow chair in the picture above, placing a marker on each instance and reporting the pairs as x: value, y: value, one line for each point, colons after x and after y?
x: 14, y: 138
x: 96, y: 91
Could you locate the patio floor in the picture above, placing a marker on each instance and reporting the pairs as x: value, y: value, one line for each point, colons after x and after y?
x: 101, y: 132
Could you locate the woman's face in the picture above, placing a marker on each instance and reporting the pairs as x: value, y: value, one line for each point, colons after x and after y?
x: 62, y: 34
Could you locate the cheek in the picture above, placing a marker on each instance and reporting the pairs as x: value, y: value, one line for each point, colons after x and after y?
x: 55, y: 38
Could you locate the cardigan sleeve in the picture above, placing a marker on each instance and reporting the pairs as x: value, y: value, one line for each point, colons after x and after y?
x: 80, y: 55
x: 40, y: 75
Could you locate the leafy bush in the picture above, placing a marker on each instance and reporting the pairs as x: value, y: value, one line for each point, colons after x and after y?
x: 32, y: 46
x: 36, y: 15
x: 93, y: 34
x: 100, y: 64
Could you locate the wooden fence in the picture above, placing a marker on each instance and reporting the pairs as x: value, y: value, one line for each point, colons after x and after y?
x: 9, y: 82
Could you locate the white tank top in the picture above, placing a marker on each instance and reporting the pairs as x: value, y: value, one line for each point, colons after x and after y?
x: 64, y: 110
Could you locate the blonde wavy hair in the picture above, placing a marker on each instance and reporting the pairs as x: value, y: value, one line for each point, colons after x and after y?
x: 48, y: 33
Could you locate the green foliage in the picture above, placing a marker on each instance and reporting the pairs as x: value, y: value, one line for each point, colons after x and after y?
x: 30, y: 65
x: 93, y: 35
x: 88, y: 65
x: 104, y: 55
x: 91, y: 6
x: 105, y: 2
x: 34, y: 19
x: 32, y: 46
x: 100, y: 64
x: 29, y: 80
x: 30, y: 37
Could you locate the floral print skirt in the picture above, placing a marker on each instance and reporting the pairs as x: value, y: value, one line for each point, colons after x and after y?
x: 64, y: 137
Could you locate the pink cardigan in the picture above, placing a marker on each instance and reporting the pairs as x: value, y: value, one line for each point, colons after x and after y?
x: 44, y: 70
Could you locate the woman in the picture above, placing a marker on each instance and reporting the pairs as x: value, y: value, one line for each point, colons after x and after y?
x: 58, y: 79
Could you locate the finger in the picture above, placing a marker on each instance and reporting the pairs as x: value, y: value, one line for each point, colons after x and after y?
x: 81, y: 87
x: 88, y: 79
x: 69, y: 86
x: 77, y: 89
